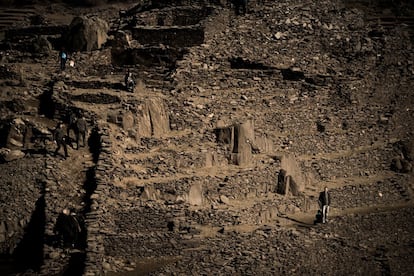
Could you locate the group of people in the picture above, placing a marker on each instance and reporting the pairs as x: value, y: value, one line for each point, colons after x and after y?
x: 129, y: 80
x: 67, y: 229
x: 79, y: 126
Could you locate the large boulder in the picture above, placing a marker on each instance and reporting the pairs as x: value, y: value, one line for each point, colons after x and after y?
x: 152, y: 118
x: 240, y: 139
x: 243, y: 136
x: 7, y: 155
x: 149, y: 120
x: 87, y: 33
x: 292, y: 180
x: 16, y: 134
x: 195, y: 196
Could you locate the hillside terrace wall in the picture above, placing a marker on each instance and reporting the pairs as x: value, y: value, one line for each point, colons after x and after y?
x: 176, y: 36
x: 95, y: 249
x: 20, y: 190
x: 175, y: 16
x: 17, y: 33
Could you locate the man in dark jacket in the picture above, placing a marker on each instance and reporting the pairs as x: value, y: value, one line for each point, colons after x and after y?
x: 67, y: 228
x: 71, y: 123
x: 81, y: 130
x: 129, y: 82
x: 60, y: 139
x: 324, y: 202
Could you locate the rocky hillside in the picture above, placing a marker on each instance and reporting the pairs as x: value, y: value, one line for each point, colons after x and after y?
x: 213, y: 165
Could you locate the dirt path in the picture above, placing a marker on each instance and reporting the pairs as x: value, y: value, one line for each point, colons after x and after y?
x: 308, y: 218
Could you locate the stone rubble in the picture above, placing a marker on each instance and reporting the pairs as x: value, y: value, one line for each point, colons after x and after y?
x: 187, y: 168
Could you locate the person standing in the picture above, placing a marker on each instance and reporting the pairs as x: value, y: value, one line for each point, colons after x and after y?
x: 63, y: 56
x: 60, y: 140
x: 324, y: 202
x: 81, y: 130
x: 129, y: 82
x: 71, y: 123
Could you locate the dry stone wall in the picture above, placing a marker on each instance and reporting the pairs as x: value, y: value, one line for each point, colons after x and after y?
x: 95, y: 247
x: 184, y: 172
x: 21, y: 186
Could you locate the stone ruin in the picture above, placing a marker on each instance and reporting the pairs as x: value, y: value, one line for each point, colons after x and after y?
x: 237, y: 138
x: 291, y: 179
x: 22, y: 135
x: 165, y: 167
x: 148, y: 119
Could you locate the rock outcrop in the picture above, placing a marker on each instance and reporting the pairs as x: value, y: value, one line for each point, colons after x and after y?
x: 151, y: 119
x: 240, y: 139
x: 86, y: 34
x: 291, y: 180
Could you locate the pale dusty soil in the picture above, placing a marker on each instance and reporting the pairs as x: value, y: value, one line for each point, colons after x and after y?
x: 360, y: 238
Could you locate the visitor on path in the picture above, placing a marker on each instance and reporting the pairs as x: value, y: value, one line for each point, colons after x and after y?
x: 63, y: 56
x: 81, y: 130
x: 67, y: 228
x: 72, y: 118
x: 60, y: 139
x: 324, y: 202
x: 129, y: 82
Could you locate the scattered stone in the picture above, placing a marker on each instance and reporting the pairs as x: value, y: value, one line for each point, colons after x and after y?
x: 195, y: 196
x: 54, y: 255
x: 224, y: 199
x: 8, y: 155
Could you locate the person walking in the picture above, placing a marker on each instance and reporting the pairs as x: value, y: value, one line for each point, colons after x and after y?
x: 71, y: 123
x: 63, y: 56
x: 324, y: 202
x: 60, y: 139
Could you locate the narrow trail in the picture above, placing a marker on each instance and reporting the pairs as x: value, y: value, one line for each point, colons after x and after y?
x: 308, y: 218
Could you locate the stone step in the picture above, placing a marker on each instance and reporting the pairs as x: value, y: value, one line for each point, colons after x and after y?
x: 31, y: 31
x: 175, y: 36
x: 10, y: 17
x: 7, y: 17
x: 22, y: 11
x: 6, y: 23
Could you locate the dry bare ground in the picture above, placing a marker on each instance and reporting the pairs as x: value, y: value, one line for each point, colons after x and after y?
x: 321, y: 89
